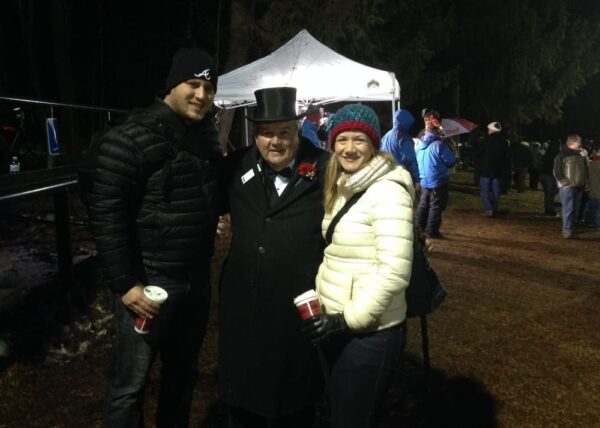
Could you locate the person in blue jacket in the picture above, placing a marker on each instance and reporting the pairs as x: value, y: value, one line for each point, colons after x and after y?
x: 399, y: 143
x: 310, y: 126
x: 434, y: 158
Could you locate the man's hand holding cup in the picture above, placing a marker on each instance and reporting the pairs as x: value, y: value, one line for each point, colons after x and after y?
x: 136, y: 300
x: 145, y: 302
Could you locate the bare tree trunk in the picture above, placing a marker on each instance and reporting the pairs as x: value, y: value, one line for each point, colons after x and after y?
x: 28, y: 35
x: 240, y: 36
x: 97, y: 84
x: 240, y: 42
x: 61, y: 22
x: 218, y: 34
x: 225, y: 123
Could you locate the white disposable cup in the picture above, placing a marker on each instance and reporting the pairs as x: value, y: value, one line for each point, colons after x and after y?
x: 308, y: 304
x: 156, y: 294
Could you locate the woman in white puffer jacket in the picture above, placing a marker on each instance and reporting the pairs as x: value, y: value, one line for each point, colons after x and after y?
x: 365, y: 270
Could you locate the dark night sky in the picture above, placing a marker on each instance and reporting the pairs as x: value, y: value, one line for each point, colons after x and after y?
x: 119, y: 51
x: 103, y: 53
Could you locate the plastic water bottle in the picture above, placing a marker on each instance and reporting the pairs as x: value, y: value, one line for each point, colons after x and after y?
x: 15, y: 165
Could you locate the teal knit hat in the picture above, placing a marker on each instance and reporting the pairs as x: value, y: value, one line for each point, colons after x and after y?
x: 355, y: 117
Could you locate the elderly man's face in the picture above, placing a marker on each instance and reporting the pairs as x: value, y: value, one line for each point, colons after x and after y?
x: 277, y: 143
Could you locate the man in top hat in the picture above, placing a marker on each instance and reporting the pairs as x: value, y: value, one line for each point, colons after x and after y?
x: 153, y: 208
x: 268, y: 371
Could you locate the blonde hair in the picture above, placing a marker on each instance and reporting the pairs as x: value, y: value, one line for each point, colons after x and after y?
x: 331, y: 189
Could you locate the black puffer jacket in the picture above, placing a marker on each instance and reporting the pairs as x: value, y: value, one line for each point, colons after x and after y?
x: 154, y: 200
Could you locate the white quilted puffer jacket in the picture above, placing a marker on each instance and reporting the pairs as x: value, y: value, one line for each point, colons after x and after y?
x: 367, y: 267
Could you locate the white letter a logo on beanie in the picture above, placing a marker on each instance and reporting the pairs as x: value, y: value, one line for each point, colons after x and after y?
x: 205, y: 74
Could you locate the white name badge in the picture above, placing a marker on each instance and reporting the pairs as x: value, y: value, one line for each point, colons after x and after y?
x: 247, y: 176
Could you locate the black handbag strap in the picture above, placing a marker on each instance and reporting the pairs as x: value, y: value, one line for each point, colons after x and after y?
x: 335, y: 220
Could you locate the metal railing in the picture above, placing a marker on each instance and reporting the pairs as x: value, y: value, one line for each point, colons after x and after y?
x: 55, y: 182
x: 32, y: 121
x: 53, y: 104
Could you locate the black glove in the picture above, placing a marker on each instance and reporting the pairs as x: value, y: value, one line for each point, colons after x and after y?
x: 324, y: 326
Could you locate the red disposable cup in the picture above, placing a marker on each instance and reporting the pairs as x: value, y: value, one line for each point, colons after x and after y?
x: 156, y: 294
x: 308, y: 304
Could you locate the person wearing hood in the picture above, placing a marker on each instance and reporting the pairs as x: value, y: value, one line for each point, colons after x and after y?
x: 434, y: 158
x: 310, y: 126
x: 366, y: 268
x: 399, y: 143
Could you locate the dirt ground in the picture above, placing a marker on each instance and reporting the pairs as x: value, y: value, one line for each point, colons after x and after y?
x: 521, y: 319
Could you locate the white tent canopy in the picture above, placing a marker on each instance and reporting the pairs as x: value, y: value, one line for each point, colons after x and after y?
x: 320, y: 75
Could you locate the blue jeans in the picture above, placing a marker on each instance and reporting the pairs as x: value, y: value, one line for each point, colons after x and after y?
x: 550, y: 190
x: 594, y: 212
x: 431, y: 205
x: 362, y: 368
x: 570, y: 197
x: 490, y: 188
x: 177, y: 334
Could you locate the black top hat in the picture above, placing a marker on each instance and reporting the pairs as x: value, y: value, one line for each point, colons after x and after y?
x: 275, y: 105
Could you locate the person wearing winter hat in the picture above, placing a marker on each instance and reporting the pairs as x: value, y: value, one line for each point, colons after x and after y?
x: 310, y: 125
x: 268, y: 372
x: 494, y: 164
x: 494, y: 127
x: 153, y: 209
x: 191, y: 84
x: 434, y: 158
x: 366, y: 268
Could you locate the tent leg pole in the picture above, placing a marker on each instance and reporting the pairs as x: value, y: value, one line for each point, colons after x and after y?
x: 246, y: 126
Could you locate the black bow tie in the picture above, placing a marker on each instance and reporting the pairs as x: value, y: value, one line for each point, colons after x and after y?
x: 285, y: 172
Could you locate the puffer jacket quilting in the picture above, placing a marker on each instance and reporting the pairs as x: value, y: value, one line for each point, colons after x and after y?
x: 367, y: 267
x: 154, y: 200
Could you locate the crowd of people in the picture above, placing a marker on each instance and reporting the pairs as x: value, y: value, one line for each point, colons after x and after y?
x: 159, y: 187
x: 498, y: 163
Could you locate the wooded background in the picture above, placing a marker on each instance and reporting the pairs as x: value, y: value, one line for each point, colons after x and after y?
x: 531, y: 64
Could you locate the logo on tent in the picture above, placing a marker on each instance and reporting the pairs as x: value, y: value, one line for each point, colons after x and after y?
x: 373, y: 84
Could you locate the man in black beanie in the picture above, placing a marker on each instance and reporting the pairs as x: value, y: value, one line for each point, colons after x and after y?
x: 153, y: 208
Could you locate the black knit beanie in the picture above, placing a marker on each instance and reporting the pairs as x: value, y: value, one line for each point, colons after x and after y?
x: 191, y: 63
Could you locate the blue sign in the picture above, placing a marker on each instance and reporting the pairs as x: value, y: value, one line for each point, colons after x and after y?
x: 51, y: 137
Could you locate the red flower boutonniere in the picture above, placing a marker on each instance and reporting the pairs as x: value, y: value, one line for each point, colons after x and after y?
x: 307, y: 171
